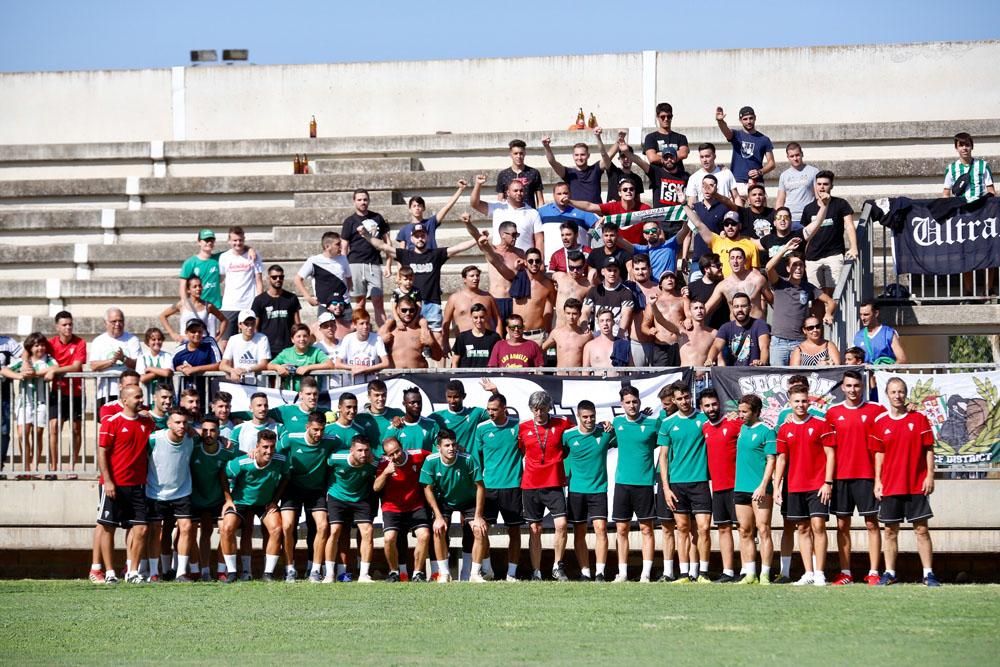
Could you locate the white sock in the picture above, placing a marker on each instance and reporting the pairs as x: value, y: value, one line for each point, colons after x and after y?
x: 703, y: 566
x: 847, y: 572
x: 466, y: 566
x: 289, y: 569
x: 402, y: 568
x: 872, y: 573
x: 364, y: 569
x: 244, y: 562
x: 622, y: 569
x: 511, y: 569
x: 819, y: 575
x: 536, y: 573
x: 154, y: 567
x: 340, y: 569
x: 487, y: 565
x: 694, y: 570
x: 165, y: 563
x: 585, y: 571
x: 270, y: 562
x: 442, y: 567
x: 330, y: 568
x: 786, y: 566
x: 599, y: 569
x: 182, y: 564
x: 728, y: 571
x: 128, y: 564
x: 477, y: 569
x: 195, y: 568
x: 891, y: 573
x: 96, y: 566
x: 684, y: 569
x: 814, y: 562
x: 111, y: 572
x: 230, y: 563
x: 668, y: 568
x: 765, y: 571
x: 928, y: 570
x: 647, y: 568
x: 750, y: 569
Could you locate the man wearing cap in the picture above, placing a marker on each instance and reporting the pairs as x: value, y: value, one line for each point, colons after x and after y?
x: 526, y: 219
x: 241, y: 270
x: 612, y: 294
x: 330, y: 273
x: 730, y: 238
x: 654, y: 144
x: 667, y: 179
x: 277, y: 310
x: 627, y: 202
x: 205, y: 265
x: 196, y: 357
x: 753, y: 152
x: 662, y: 252
x: 246, y: 354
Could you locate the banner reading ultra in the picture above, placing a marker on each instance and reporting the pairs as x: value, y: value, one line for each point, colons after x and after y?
x: 963, y: 408
x: 771, y: 385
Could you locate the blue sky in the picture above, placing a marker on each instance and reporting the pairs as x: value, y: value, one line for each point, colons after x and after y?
x: 115, y: 34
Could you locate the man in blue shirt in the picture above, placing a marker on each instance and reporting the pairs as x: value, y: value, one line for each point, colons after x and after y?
x: 196, y: 357
x: 662, y: 252
x: 753, y: 152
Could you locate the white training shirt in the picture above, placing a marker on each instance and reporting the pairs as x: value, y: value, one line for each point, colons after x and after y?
x: 240, y: 286
x: 244, y: 353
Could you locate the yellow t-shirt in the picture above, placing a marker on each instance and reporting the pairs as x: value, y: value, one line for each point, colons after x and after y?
x: 722, y: 246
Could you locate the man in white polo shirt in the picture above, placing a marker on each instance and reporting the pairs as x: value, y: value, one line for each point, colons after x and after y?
x: 246, y: 354
x: 529, y: 223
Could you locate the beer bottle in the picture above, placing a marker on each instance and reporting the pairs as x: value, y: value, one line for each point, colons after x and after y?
x: 312, y: 128
x: 305, y: 164
x: 297, y: 165
x: 592, y: 121
x: 580, y: 120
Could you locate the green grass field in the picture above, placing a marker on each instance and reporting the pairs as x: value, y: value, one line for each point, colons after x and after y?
x: 256, y: 623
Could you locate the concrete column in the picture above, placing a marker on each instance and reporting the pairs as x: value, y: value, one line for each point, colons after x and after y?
x: 178, y: 103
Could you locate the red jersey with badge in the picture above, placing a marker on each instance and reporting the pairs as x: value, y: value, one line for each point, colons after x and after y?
x: 67, y: 354
x: 403, y: 492
x: 904, y: 441
x: 803, y: 446
x: 543, y: 453
x: 852, y: 428
x: 126, y: 441
x: 720, y: 440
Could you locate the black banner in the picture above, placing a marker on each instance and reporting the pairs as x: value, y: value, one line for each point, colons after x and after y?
x: 942, y: 236
x: 771, y: 385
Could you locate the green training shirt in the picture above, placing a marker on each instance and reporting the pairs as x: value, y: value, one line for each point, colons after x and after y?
x: 463, y: 423
x: 587, y: 460
x: 349, y: 483
x: 292, y: 417
x: 206, y: 489
x: 754, y: 445
x: 421, y: 435
x: 378, y: 425
x: 455, y: 484
x: 292, y: 357
x: 208, y: 271
x: 496, y: 452
x: 687, y: 455
x: 251, y: 485
x: 636, y: 443
x: 344, y: 434
x: 306, y: 461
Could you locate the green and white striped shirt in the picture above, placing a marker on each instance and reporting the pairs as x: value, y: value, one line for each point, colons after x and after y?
x: 980, y: 177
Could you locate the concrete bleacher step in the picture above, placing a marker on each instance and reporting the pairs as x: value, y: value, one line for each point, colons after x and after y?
x: 365, y: 165
x: 376, y: 199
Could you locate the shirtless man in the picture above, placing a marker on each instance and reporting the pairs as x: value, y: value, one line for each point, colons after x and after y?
x: 741, y: 279
x: 569, y: 338
x: 641, y: 341
x: 458, y: 310
x: 405, y: 339
x: 535, y: 309
x: 676, y: 309
x: 597, y: 353
x: 509, y: 256
x: 694, y: 342
x: 573, y: 284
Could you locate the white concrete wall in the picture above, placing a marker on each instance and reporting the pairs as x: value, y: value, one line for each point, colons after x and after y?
x: 815, y: 85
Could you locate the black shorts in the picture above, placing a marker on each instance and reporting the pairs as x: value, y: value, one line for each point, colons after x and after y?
x: 127, y: 508
x: 803, y: 505
x: 504, y: 502
x: 854, y: 493
x: 232, y: 326
x: 915, y: 507
x: 468, y: 513
x: 633, y: 499
x: 742, y: 498
x: 160, y: 510
x: 244, y: 511
x: 215, y: 511
x: 663, y: 512
x: 583, y: 507
x: 406, y: 521
x: 296, y: 499
x: 505, y: 307
x: 349, y: 513
x: 724, y: 508
x: 665, y: 354
x: 536, y: 501
x: 692, y: 498
x: 65, y: 407
x: 784, y: 499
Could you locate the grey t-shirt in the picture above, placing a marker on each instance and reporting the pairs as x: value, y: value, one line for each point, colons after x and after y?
x: 791, y: 306
x: 798, y: 188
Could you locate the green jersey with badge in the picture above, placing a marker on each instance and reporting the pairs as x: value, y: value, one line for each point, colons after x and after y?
x: 754, y: 445
x: 496, y: 452
x: 292, y: 417
x: 378, y: 425
x: 347, y: 482
x: 587, y: 460
x: 343, y: 435
x: 292, y: 357
x: 252, y: 485
x: 787, y: 412
x: 636, y: 443
x: 206, y: 487
x: 463, y: 423
x: 159, y: 422
x: 455, y: 484
x: 306, y: 461
x: 420, y: 435
x: 687, y: 455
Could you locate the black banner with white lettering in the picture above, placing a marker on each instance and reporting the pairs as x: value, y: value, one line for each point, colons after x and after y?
x: 732, y: 382
x: 942, y: 236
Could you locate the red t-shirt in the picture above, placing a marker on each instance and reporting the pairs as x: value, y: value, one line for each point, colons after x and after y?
x: 632, y: 233
x: 108, y: 409
x: 526, y: 355
x: 402, y: 492
x: 543, y: 453
x: 904, y: 441
x: 127, y: 441
x: 803, y: 446
x: 852, y: 428
x: 720, y: 439
x: 558, y: 262
x: 67, y: 354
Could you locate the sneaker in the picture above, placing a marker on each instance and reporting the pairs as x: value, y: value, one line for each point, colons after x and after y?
x: 268, y: 577
x: 404, y: 576
x: 725, y: 579
x: 230, y: 578
x: 344, y: 578
x: 620, y: 579
x: 764, y: 581
x: 511, y: 579
x: 418, y: 577
x: 782, y: 579
x: 290, y: 576
x: 842, y: 580
x: 153, y: 579
x: 887, y: 579
x: 434, y: 576
x: 246, y: 576
x: 703, y: 579
x: 317, y: 578
x: 644, y: 579
x: 365, y: 579
x: 683, y: 579
x: 169, y: 575
x: 819, y: 580
x: 558, y: 574
x: 477, y: 579
x: 183, y: 579
x: 537, y: 576
x: 392, y: 578
x: 664, y: 579
x: 931, y: 580
x: 600, y: 578
x: 134, y: 578
x: 585, y: 578
x: 206, y: 576
x: 328, y: 579
x: 223, y: 577
x: 111, y: 579
x: 96, y: 577
x: 807, y: 579
x: 872, y: 579
x: 443, y: 578
x: 748, y: 579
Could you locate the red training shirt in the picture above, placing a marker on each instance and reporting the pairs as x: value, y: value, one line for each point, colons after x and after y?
x: 803, y: 446
x: 543, y: 453
x: 720, y: 440
x: 904, y: 441
x: 402, y: 492
x: 127, y: 441
x: 66, y: 355
x: 852, y: 428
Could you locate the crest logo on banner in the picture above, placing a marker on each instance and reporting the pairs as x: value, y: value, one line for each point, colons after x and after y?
x: 771, y: 385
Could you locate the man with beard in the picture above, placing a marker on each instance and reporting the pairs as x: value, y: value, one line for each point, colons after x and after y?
x: 555, y: 217
x: 609, y: 248
x: 365, y: 262
x: 584, y: 179
x: 529, y: 177
x: 744, y: 341
x: 702, y: 287
x: 741, y: 280
x: 527, y: 222
x: 571, y: 284
x: 535, y: 309
x: 569, y: 234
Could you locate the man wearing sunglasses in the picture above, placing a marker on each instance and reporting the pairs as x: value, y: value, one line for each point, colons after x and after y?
x: 277, y: 310
x: 536, y: 307
x: 571, y: 283
x: 664, y: 137
x: 514, y: 351
x: 729, y: 238
x: 627, y: 202
x: 662, y: 252
x: 506, y: 253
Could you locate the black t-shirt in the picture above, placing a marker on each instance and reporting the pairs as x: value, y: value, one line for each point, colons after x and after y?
x: 757, y: 226
x: 275, y: 316
x: 615, y: 300
x: 596, y: 258
x: 829, y: 238
x: 615, y: 176
x: 700, y: 291
x: 529, y: 176
x: 474, y: 351
x: 360, y: 251
x: 668, y: 187
x: 426, y: 271
x: 772, y: 244
x: 658, y: 141
x: 585, y: 184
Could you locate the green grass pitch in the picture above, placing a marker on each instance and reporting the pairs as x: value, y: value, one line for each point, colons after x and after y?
x: 46, y: 622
